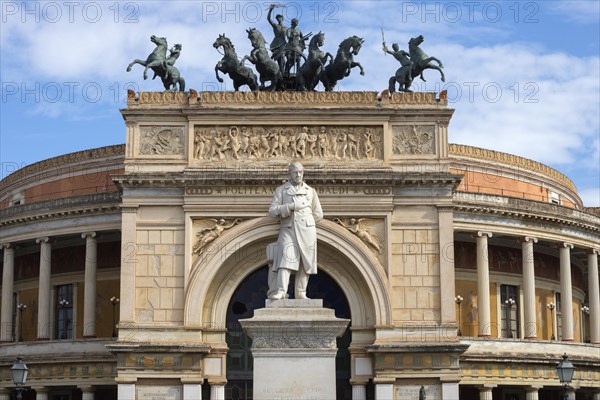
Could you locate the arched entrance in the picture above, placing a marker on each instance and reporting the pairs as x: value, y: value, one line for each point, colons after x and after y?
x: 250, y: 295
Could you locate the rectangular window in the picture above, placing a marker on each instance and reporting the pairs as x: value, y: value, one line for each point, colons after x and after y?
x: 509, y: 310
x: 64, y: 312
x: 558, y: 316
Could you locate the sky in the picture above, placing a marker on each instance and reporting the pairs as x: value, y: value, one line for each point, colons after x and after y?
x: 523, y: 76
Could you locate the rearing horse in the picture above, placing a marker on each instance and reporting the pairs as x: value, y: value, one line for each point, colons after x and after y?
x: 229, y: 64
x: 308, y: 74
x: 342, y: 64
x: 259, y: 56
x: 156, y: 59
x: 422, y: 61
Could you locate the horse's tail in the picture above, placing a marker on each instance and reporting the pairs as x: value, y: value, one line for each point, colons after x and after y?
x: 181, y: 85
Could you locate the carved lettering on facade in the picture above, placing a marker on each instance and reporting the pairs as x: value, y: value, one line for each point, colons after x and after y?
x: 285, y: 142
x: 161, y: 140
x: 413, y: 139
x: 300, y: 341
x: 156, y: 392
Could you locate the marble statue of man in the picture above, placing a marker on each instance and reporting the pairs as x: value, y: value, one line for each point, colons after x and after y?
x: 298, y: 208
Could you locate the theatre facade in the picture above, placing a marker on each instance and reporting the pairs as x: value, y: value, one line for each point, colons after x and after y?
x: 463, y: 271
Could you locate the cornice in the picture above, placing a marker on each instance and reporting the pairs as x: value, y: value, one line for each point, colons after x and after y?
x: 91, y: 204
x: 532, y: 210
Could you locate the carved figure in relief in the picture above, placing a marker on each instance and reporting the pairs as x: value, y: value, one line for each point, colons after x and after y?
x: 369, y: 147
x: 298, y: 209
x: 312, y: 140
x: 200, y: 143
x: 301, y: 138
x: 352, y: 141
x: 322, y: 142
x: 234, y: 140
x: 342, y: 139
x: 245, y: 140
x: 211, y: 233
x: 362, y: 231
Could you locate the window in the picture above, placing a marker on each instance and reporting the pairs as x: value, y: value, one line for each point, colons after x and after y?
x: 64, y: 312
x: 14, y: 318
x: 509, y: 298
x: 558, y: 316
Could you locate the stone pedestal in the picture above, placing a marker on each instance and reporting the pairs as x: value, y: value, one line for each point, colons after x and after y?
x: 294, y: 348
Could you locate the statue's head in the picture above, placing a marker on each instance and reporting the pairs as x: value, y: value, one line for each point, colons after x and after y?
x: 395, y: 47
x: 177, y: 46
x: 294, y: 22
x: 279, y: 18
x: 296, y: 171
x: 416, y: 40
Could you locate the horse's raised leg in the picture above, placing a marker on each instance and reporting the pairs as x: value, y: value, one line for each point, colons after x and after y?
x: 431, y: 66
x: 430, y: 59
x: 355, y: 64
x: 217, y: 68
x: 136, y: 61
x: 152, y: 64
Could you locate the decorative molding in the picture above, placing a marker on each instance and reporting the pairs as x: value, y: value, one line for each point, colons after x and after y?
x: 291, y: 97
x: 413, y: 139
x: 267, y: 142
x: 482, y: 234
x: 161, y: 140
x: 269, y: 341
x: 66, y: 159
x: 210, y: 229
x: 362, y: 230
x: 460, y: 150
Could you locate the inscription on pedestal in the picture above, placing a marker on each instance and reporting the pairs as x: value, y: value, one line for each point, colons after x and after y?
x: 411, y: 392
x: 156, y: 392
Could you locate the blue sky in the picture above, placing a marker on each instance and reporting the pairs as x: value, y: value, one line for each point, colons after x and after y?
x: 523, y: 76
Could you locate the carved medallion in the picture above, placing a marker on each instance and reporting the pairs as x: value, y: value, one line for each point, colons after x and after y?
x: 413, y: 139
x: 363, y: 228
x: 210, y: 230
x: 161, y: 140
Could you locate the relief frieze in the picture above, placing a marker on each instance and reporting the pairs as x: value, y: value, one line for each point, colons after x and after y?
x: 413, y: 139
x: 272, y: 142
x: 259, y: 190
x: 161, y: 140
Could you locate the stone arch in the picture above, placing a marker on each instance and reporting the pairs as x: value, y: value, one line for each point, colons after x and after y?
x: 241, y: 250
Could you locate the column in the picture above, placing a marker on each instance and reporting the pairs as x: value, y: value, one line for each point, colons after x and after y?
x: 485, y: 392
x: 128, y: 263
x: 483, y: 284
x: 89, y: 290
x: 531, y: 393
x: 596, y: 396
x: 217, y: 392
x: 359, y: 392
x: 450, y: 390
x: 192, y: 391
x: 4, y: 394
x: 44, y: 300
x: 87, y: 392
x: 530, y: 325
x: 566, y: 291
x: 126, y: 391
x: 8, y: 278
x: 594, y: 295
x: 571, y: 394
x: 41, y: 393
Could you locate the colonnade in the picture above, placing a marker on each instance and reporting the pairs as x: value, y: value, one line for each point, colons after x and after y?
x: 566, y: 288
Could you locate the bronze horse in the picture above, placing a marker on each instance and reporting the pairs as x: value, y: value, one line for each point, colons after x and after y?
x: 342, y: 64
x: 229, y: 64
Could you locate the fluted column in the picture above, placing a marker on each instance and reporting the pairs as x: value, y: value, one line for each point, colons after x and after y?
x: 87, y: 392
x: 217, y: 392
x: 8, y: 279
x: 529, y: 288
x: 532, y: 393
x: 41, y: 393
x: 483, y: 284
x: 594, y: 295
x: 44, y: 300
x: 566, y: 291
x: 4, y: 394
x: 485, y: 393
x: 359, y: 392
x: 89, y: 290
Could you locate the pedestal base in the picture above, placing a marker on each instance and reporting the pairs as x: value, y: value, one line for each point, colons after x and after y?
x: 294, y: 348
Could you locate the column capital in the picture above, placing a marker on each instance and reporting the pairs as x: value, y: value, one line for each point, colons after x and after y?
x: 527, y: 239
x: 85, y: 235
x: 7, y: 245
x: 45, y: 239
x: 41, y: 389
x: 567, y: 245
x: 593, y: 251
x: 87, y: 388
x: 481, y: 234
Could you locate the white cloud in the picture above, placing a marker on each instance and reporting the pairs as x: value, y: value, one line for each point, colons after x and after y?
x: 582, y: 11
